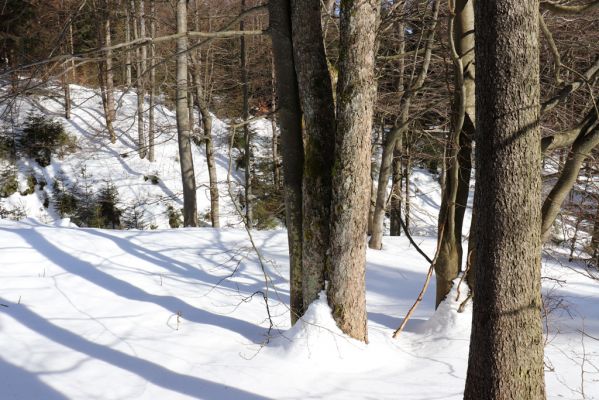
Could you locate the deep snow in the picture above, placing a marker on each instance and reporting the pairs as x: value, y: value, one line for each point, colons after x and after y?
x: 173, y: 314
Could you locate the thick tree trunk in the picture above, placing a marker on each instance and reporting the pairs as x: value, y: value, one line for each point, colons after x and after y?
x: 448, y: 262
x: 190, y: 215
x: 290, y: 123
x: 316, y: 97
x: 506, y: 347
x: 246, y: 127
x: 355, y: 97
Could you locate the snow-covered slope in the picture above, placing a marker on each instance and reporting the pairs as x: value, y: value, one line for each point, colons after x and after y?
x: 97, y: 161
x: 173, y: 314
x: 176, y: 314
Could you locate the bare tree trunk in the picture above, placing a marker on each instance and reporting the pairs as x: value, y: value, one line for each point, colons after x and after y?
x: 380, y: 134
x: 406, y: 174
x: 72, y: 50
x: 67, y: 96
x: 356, y: 89
x: 128, y: 39
x: 139, y: 32
x: 190, y: 215
x: 506, y: 347
x: 595, y: 237
x: 111, y: 113
x: 246, y: 127
x: 201, y: 102
x: 276, y: 167
x: 396, y: 195
x: 415, y: 84
x: 290, y: 122
x: 586, y: 141
x: 316, y: 97
x: 448, y: 262
x: 103, y: 67
x: 151, y: 125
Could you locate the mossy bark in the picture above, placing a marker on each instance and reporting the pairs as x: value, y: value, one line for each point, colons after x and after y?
x: 351, y: 172
x: 316, y: 99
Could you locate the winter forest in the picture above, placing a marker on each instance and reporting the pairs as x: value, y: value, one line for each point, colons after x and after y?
x: 299, y: 199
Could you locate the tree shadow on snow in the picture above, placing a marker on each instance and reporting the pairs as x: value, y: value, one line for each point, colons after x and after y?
x: 173, y: 305
x: 19, y: 383
x: 189, y: 385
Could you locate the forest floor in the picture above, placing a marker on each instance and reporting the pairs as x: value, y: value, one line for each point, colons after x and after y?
x: 184, y: 313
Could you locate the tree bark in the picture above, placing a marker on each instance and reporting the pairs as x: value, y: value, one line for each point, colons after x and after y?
x: 448, y: 262
x: 355, y: 97
x: 190, y: 215
x: 396, y: 195
x: 290, y: 124
x: 151, y: 125
x: 246, y: 127
x: 415, y: 84
x: 139, y: 32
x: 506, y: 347
x: 128, y: 74
x: 587, y: 140
x: 316, y: 97
x: 202, y: 104
x: 276, y: 166
x: 105, y: 71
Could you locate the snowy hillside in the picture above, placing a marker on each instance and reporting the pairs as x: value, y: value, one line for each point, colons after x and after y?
x: 181, y: 313
x: 97, y: 161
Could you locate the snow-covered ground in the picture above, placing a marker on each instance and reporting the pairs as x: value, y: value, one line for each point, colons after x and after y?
x: 119, y: 163
x: 181, y: 313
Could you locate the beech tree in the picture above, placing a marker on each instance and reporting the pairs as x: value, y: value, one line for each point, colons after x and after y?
x: 351, y: 177
x: 190, y: 215
x: 506, y: 347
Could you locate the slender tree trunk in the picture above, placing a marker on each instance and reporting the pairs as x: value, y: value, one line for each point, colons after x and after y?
x: 506, y: 347
x: 595, y: 237
x: 276, y: 166
x: 151, y: 125
x: 202, y: 104
x: 246, y: 127
x: 586, y: 141
x: 376, y: 239
x: 111, y: 113
x: 396, y: 177
x: 356, y: 89
x: 396, y: 195
x: 373, y: 175
x: 139, y: 32
x: 72, y: 50
x: 316, y: 97
x: 190, y: 215
x: 290, y: 123
x: 128, y: 74
x: 448, y: 262
x: 67, y: 96
x: 406, y: 174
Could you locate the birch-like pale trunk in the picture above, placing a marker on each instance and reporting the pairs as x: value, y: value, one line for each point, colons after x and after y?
x: 190, y: 215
